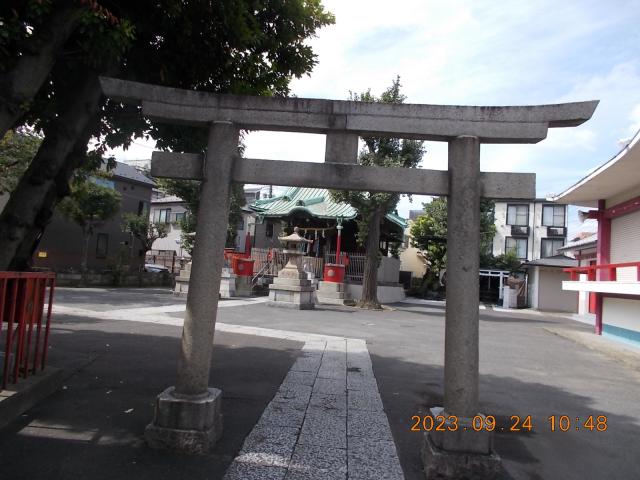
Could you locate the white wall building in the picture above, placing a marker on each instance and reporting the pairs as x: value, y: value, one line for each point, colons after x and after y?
x: 614, y: 189
x: 532, y: 230
x: 169, y: 210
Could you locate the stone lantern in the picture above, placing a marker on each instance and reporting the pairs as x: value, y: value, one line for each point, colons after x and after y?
x: 291, y: 288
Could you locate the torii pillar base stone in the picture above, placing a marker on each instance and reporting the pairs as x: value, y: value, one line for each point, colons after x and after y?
x: 187, y: 424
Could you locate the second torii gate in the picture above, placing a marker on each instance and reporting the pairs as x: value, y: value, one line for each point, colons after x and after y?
x: 187, y: 416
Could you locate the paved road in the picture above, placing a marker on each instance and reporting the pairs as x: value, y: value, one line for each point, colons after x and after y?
x: 525, y: 370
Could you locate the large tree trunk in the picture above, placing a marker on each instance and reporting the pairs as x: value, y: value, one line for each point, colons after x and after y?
x: 369, y: 298
x: 57, y: 191
x: 30, y: 205
x: 20, y: 84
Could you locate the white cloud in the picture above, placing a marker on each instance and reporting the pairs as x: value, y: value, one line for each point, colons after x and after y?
x: 140, y: 149
x: 635, y: 119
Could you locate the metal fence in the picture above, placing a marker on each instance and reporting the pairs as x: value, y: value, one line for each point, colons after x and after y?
x: 264, y: 266
x: 23, y: 296
x: 354, y: 271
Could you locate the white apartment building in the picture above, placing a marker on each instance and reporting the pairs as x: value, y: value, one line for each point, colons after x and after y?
x: 532, y: 229
x: 168, y: 210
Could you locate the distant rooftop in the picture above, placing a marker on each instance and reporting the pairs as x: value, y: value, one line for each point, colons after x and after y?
x: 167, y: 199
x: 585, y: 242
x: 123, y: 170
x: 556, y: 261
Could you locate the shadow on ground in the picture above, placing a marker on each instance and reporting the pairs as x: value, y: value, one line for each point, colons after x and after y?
x: 93, y: 427
x: 409, y: 389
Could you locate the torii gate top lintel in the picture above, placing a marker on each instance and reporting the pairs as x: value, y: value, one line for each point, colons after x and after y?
x: 491, y: 124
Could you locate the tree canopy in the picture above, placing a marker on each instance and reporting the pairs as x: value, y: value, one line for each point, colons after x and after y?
x: 383, y: 152
x: 429, y: 232
x: 17, y: 149
x: 248, y: 47
x: 142, y: 228
x: 372, y: 206
x: 88, y: 205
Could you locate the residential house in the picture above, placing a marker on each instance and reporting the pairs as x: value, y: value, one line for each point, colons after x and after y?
x: 257, y: 192
x: 171, y: 210
x: 532, y: 229
x: 61, y: 244
x: 545, y: 277
x: 614, y: 190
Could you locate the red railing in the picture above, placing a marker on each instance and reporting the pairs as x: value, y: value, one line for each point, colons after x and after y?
x: 22, y: 301
x: 610, y: 269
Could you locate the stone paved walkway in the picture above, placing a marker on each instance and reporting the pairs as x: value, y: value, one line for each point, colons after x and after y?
x: 326, y: 421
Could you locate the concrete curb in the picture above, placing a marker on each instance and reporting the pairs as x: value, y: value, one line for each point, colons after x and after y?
x: 19, y: 398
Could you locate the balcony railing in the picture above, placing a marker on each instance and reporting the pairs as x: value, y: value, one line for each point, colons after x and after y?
x: 556, y: 232
x: 519, y: 230
x: 610, y: 270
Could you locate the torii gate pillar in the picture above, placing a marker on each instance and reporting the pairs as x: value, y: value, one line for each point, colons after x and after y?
x: 187, y: 417
x: 474, y: 456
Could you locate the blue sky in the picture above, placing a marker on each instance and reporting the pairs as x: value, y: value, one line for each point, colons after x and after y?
x: 482, y: 53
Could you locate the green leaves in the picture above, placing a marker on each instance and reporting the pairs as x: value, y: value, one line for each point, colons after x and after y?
x: 90, y: 203
x: 508, y: 261
x: 141, y: 227
x: 383, y: 152
x: 17, y: 149
x: 429, y: 232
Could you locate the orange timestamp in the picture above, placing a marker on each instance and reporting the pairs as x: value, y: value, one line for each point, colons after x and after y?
x: 517, y: 423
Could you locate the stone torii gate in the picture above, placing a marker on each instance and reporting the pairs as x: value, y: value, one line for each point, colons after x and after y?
x: 187, y: 416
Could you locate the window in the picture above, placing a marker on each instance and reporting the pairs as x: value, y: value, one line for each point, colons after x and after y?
x: 164, y: 215
x: 549, y: 246
x: 102, y: 245
x: 517, y: 245
x: 553, y: 215
x: 180, y: 216
x: 143, y: 207
x: 518, y: 215
x: 268, y: 231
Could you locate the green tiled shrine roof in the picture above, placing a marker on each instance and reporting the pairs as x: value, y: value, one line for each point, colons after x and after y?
x: 315, y: 201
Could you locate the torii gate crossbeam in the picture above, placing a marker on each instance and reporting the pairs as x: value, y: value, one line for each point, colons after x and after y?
x: 187, y: 417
